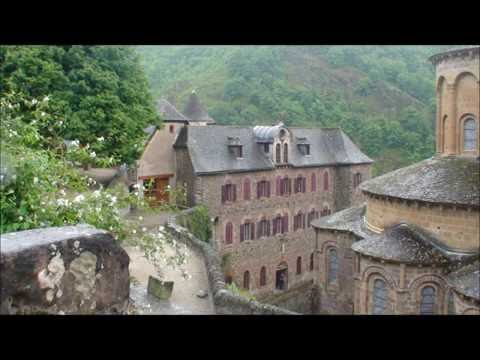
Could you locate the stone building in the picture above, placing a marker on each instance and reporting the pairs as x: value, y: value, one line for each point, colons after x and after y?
x: 264, y: 186
x: 413, y: 247
x: 157, y: 162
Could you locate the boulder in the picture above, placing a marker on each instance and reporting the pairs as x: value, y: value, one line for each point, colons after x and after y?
x: 63, y: 270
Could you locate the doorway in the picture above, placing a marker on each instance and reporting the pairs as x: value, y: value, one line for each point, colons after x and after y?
x: 281, y: 278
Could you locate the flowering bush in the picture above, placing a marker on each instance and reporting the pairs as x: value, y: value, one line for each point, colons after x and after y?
x: 40, y: 185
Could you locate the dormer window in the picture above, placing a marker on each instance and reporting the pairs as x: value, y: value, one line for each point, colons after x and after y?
x: 304, y: 149
x: 235, y: 146
x: 238, y: 151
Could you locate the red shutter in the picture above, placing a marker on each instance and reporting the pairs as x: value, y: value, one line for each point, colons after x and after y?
x: 304, y: 184
x: 223, y: 194
x: 268, y: 188
x: 252, y: 237
x: 289, y: 186
x: 278, y: 183
x: 242, y: 233
x: 259, y: 190
x: 234, y: 191
x: 268, y: 228
x: 303, y: 221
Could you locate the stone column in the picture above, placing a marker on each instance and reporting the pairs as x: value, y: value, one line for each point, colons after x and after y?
x: 450, y: 137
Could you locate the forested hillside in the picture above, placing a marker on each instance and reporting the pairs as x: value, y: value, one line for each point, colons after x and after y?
x: 382, y: 96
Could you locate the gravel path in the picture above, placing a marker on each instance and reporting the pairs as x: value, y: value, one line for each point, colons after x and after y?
x: 184, y: 298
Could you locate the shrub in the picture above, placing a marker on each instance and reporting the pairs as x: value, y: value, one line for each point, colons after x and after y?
x: 198, y: 222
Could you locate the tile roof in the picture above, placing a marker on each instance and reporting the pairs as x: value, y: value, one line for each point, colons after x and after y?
x: 208, y: 148
x: 448, y: 180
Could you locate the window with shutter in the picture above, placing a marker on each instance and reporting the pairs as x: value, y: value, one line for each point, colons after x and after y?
x: 314, y: 183
x: 242, y: 232
x: 246, y: 189
x: 299, y: 265
x: 224, y: 197
x: 279, y: 186
x: 229, y: 233
x: 311, y: 261
x: 325, y: 181
x: 234, y: 189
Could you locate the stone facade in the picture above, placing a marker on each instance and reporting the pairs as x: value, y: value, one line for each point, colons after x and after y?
x: 458, y: 95
x: 457, y: 227
x: 415, y: 248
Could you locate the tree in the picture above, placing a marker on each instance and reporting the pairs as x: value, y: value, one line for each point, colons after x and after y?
x: 97, y: 91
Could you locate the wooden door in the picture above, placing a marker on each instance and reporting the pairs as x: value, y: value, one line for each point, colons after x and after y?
x: 161, y: 194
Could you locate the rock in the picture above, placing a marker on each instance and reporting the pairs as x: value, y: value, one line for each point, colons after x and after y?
x: 160, y: 289
x: 70, y: 279
x: 202, y: 294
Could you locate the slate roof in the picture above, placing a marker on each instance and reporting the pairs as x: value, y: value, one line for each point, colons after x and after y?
x: 448, y: 180
x: 457, y: 51
x: 402, y: 243
x: 409, y: 244
x: 209, y: 151
x: 466, y: 280
x: 195, y: 111
x: 350, y: 220
x: 168, y: 112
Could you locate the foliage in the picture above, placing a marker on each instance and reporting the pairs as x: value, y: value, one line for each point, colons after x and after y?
x: 94, y: 91
x: 383, y: 97
x: 240, y: 292
x: 198, y: 222
x: 41, y: 187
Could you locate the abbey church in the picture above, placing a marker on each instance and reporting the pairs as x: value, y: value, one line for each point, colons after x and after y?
x: 298, y: 221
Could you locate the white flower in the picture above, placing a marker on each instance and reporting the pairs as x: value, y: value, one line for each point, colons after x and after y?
x: 134, y: 231
x: 34, y: 101
x: 79, y: 198
x: 101, y: 138
x: 96, y: 194
x: 46, y: 98
x: 43, y: 113
x: 20, y: 218
x: 113, y: 199
x: 140, y: 218
x: 35, y: 180
x: 10, y: 106
x: 60, y: 122
x: 92, y: 154
x: 144, y: 229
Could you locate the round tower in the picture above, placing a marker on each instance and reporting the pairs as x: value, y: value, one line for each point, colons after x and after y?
x: 458, y: 93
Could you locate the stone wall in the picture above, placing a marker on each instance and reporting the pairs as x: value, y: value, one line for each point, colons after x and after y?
x: 346, y: 195
x: 64, y: 270
x: 184, y: 173
x: 336, y: 297
x: 404, y: 285
x: 458, y: 228
x: 225, y: 302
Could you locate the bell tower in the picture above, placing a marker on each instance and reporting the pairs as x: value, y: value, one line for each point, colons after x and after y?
x: 458, y: 104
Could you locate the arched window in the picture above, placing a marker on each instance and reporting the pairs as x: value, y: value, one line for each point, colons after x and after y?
x: 246, y: 280
x: 428, y: 299
x: 311, y: 261
x: 285, y: 153
x: 380, y: 297
x: 325, y: 181
x: 246, y: 189
x: 451, y: 304
x: 299, y: 265
x: 278, y: 153
x: 332, y: 266
x: 469, y: 134
x: 263, y: 276
x: 228, y: 233
x: 314, y: 183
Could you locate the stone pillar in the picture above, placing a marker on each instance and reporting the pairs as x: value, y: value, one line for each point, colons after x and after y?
x: 450, y: 137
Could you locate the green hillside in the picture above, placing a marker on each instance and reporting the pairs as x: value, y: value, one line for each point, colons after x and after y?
x: 382, y: 96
